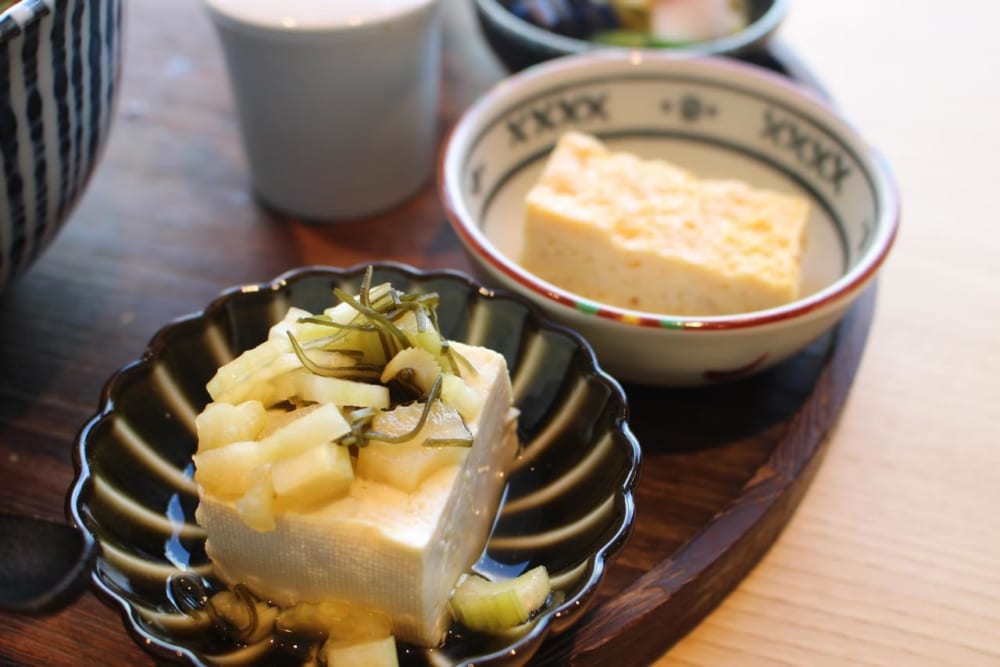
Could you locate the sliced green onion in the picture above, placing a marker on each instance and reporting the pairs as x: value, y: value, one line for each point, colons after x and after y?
x: 377, y: 318
x: 326, y: 321
x: 355, y: 372
x: 366, y: 285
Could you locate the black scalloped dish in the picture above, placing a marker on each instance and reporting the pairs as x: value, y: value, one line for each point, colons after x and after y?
x: 568, y: 505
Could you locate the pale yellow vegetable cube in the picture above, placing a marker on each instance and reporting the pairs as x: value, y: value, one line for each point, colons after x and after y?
x: 277, y: 418
x: 307, y: 429
x: 258, y: 385
x: 406, y: 464
x: 428, y: 338
x: 371, y: 653
x: 227, y: 471
x: 320, y: 389
x: 303, y: 331
x: 290, y: 385
x: 223, y: 423
x: 344, y: 313
x: 315, y: 619
x: 331, y: 358
x: 423, y: 364
x: 316, y: 475
x: 365, y: 342
x: 283, y: 387
x: 256, y: 507
x: 242, y: 367
x: 459, y: 395
x: 246, y: 376
x: 335, y: 619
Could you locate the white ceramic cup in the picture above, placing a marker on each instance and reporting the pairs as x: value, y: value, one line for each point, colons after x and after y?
x: 337, y: 99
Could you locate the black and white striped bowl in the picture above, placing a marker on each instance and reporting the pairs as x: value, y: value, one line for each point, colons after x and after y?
x: 60, y: 67
x: 569, y: 503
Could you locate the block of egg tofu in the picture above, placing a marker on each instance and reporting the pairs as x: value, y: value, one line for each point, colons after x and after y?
x: 650, y: 236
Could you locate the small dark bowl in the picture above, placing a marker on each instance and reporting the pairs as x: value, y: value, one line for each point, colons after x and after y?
x: 569, y: 503
x: 519, y: 43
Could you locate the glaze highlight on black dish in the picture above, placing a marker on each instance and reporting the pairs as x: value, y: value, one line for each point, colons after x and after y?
x: 569, y: 502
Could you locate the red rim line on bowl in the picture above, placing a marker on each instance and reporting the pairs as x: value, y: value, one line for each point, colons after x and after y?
x: 852, y: 281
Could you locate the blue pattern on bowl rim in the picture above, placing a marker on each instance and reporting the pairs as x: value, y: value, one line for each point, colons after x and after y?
x: 569, y: 503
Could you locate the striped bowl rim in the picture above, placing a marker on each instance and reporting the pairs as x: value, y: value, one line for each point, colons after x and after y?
x: 20, y: 15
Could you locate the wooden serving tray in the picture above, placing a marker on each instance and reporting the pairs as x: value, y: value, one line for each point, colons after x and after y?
x: 724, y: 468
x: 167, y: 223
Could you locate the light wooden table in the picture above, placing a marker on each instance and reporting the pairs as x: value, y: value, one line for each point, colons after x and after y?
x: 893, y: 558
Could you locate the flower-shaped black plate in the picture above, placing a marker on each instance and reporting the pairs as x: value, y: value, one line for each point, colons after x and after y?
x: 569, y: 502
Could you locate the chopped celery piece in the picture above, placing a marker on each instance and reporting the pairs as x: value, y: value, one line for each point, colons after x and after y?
x: 303, y: 331
x: 443, y: 440
x: 223, y: 423
x: 318, y: 619
x: 256, y: 506
x: 257, y: 386
x: 421, y: 363
x: 495, y: 606
x: 457, y: 393
x: 244, y: 368
x: 228, y: 471
x: 338, y: 621
x: 316, y: 475
x: 366, y: 653
x: 304, y: 429
x: 319, y: 389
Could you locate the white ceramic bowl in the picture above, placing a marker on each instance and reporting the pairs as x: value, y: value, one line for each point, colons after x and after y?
x: 720, y: 119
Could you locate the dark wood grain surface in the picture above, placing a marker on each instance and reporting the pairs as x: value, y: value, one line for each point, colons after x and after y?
x: 169, y: 221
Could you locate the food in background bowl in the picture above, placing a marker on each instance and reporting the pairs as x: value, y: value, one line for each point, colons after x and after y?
x: 62, y: 61
x: 636, y: 23
x: 525, y: 32
x: 648, y: 235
